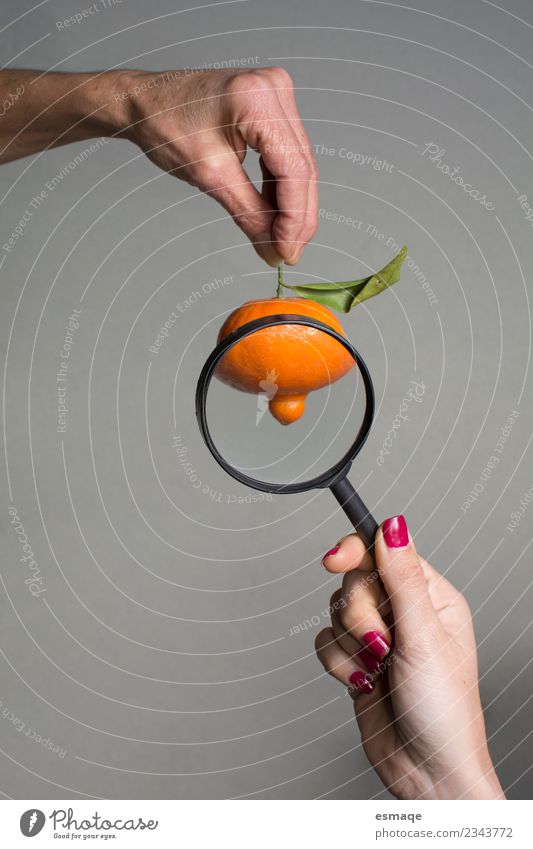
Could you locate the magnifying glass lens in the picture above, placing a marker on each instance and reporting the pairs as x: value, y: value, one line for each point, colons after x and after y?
x: 285, y: 403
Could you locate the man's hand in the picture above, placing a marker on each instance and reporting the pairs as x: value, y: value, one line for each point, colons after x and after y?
x: 198, y: 126
x: 194, y: 125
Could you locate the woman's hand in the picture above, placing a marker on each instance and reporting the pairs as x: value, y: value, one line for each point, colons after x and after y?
x: 404, y: 645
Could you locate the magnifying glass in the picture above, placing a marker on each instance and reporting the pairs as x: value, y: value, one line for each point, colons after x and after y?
x: 251, y: 382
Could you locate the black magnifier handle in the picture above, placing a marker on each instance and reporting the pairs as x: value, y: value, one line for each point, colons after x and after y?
x: 358, y: 514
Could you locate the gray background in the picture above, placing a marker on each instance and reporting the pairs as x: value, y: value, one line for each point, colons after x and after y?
x: 160, y: 656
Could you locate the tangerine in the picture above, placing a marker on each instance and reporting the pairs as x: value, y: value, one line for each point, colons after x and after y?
x: 286, y: 361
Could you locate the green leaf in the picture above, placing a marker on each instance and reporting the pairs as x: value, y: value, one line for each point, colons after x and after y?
x: 344, y: 296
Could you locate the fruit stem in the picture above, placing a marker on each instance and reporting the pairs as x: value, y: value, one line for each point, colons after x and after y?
x: 280, y: 281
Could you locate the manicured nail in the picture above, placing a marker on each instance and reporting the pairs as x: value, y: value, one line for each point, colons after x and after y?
x: 375, y: 642
x: 395, y: 532
x: 372, y: 663
x: 331, y: 552
x: 361, y: 682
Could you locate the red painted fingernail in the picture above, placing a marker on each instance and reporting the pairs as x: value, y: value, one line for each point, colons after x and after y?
x: 395, y: 532
x: 361, y: 682
x: 375, y: 642
x: 372, y: 663
x: 331, y: 552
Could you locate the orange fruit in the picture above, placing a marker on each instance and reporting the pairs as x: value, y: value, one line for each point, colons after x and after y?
x: 286, y: 361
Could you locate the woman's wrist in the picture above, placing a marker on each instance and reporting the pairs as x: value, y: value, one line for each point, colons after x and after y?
x: 473, y: 781
x: 482, y: 787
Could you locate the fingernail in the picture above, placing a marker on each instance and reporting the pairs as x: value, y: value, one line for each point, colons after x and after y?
x: 372, y: 663
x: 331, y: 552
x: 395, y: 532
x: 375, y: 642
x: 361, y: 682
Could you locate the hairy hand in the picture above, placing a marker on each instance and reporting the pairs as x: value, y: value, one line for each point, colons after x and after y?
x: 198, y: 126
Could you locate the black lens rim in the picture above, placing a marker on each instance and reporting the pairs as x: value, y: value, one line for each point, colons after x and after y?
x: 331, y: 475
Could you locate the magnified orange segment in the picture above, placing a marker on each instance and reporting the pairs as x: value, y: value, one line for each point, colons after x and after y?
x: 284, y: 362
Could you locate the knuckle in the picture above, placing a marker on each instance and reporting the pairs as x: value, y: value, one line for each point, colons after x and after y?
x: 251, y: 229
x: 248, y: 82
x: 255, y: 224
x: 209, y: 173
x: 351, y: 584
x: 287, y: 227
x: 349, y: 617
x: 322, y: 639
x: 334, y: 601
x: 301, y: 167
x: 409, y: 571
x: 281, y: 76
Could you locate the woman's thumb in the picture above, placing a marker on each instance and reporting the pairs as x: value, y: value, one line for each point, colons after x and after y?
x: 400, y: 570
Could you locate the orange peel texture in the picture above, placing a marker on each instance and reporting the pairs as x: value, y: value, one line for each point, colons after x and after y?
x: 287, y: 361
